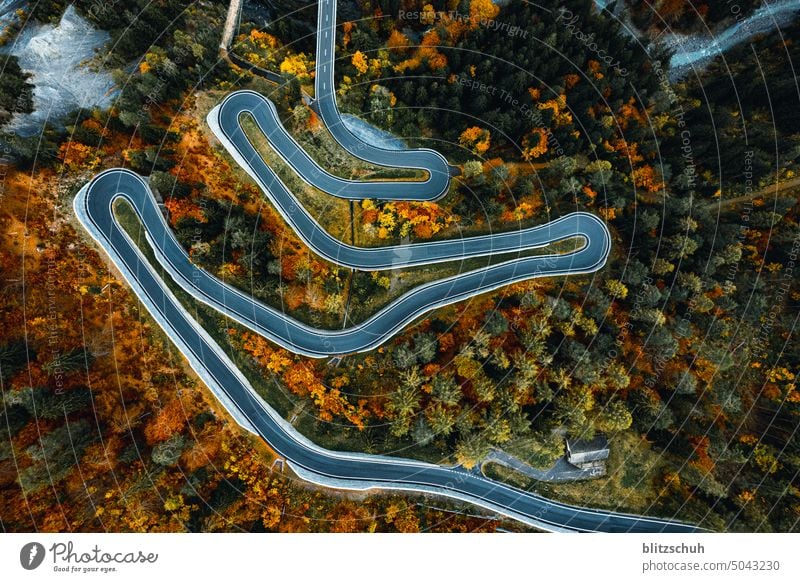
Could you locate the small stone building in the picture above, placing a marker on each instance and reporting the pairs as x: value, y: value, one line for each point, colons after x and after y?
x: 589, y: 455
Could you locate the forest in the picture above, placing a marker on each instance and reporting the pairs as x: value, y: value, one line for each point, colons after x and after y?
x: 16, y: 93
x: 680, y: 351
x: 104, y: 428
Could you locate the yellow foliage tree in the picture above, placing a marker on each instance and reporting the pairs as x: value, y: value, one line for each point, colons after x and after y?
x: 78, y: 156
x: 360, y: 62
x: 295, y: 65
x: 428, y: 14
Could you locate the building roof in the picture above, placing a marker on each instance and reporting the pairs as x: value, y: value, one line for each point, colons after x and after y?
x: 587, y: 451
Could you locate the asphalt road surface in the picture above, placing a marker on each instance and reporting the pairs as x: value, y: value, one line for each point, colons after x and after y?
x: 319, y: 343
x: 325, y: 103
x: 93, y: 206
x: 224, y: 121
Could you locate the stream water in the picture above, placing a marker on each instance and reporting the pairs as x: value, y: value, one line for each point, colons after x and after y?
x: 55, y: 57
x: 695, y: 51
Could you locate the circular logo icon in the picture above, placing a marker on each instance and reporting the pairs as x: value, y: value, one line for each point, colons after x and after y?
x: 31, y: 555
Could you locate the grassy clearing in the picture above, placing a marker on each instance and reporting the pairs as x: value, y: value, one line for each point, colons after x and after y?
x: 332, y: 213
x: 630, y: 485
x: 503, y: 474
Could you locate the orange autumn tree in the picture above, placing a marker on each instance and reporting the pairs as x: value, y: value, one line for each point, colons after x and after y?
x: 595, y: 68
x: 481, y: 11
x: 398, y: 41
x: 182, y: 208
x: 534, y: 144
x: 454, y: 28
x: 347, y: 28
x: 643, y: 175
x: 475, y: 138
x: 168, y: 422
x: 429, y: 51
x: 300, y: 377
x: 302, y: 380
x: 630, y: 112
x: 264, y: 40
x: 407, y: 65
x: 646, y: 177
x: 629, y: 150
x: 571, y: 80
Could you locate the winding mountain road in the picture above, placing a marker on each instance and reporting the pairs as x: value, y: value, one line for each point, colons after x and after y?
x: 94, y: 207
x: 431, y: 161
x: 98, y: 196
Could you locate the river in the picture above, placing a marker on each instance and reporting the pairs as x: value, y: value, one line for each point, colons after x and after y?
x: 8, y: 10
x: 696, y: 51
x: 55, y: 57
x: 693, y: 52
